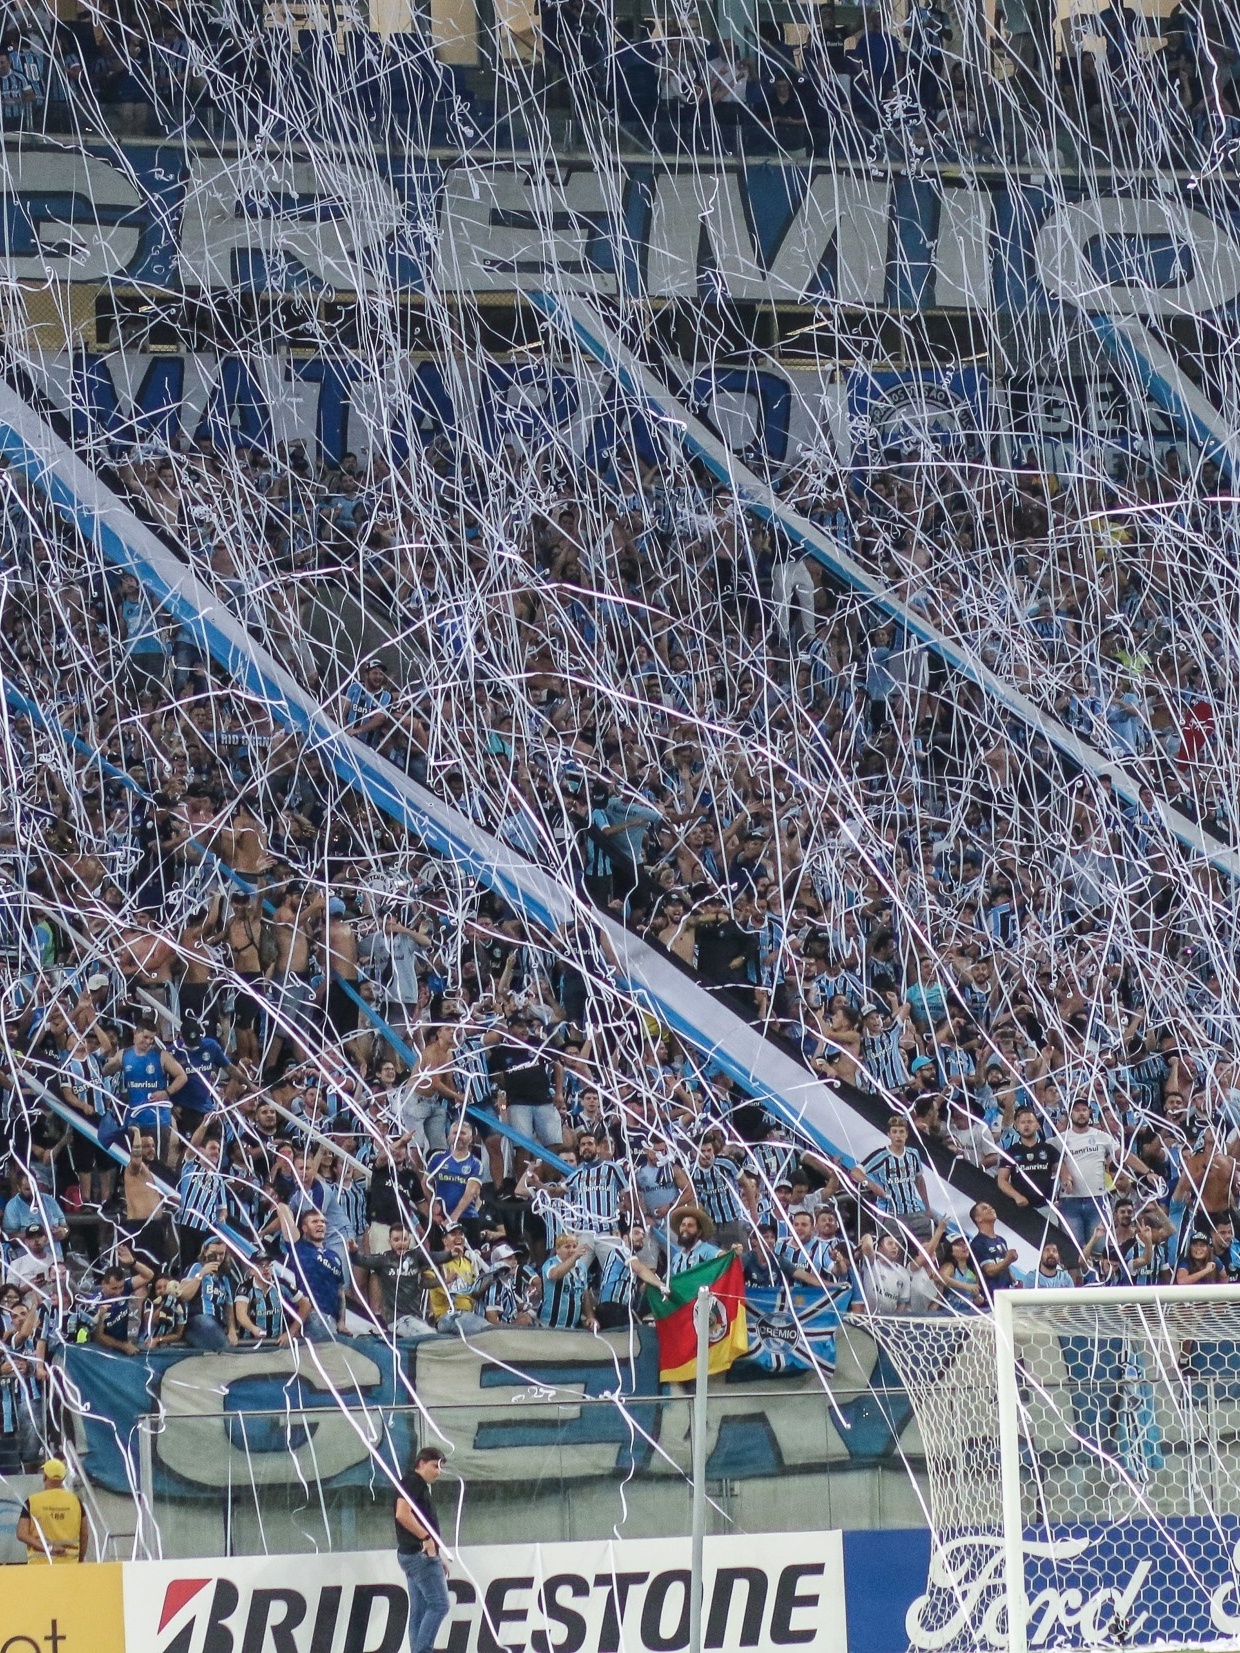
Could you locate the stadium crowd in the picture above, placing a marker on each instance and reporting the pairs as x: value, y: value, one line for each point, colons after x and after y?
x: 275, y: 1012
x: 901, y: 84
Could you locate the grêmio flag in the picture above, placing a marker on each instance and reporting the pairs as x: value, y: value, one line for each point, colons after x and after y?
x: 673, y: 1315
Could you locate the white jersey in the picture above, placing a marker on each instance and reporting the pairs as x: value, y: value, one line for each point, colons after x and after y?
x: 1088, y: 1154
x: 974, y: 1139
x: 887, y: 1287
x: 1061, y: 1280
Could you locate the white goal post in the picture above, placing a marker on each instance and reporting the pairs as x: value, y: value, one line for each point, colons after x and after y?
x: 1082, y: 1451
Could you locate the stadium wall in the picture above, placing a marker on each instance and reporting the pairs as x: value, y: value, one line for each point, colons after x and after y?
x: 265, y: 1450
x: 486, y: 1409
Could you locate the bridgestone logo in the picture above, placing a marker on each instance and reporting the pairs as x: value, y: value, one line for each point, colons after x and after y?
x: 744, y: 1607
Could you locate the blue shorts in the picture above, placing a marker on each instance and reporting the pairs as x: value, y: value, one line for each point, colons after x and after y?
x: 149, y: 1116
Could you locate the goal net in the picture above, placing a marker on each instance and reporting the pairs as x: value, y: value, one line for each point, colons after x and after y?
x: 1082, y: 1451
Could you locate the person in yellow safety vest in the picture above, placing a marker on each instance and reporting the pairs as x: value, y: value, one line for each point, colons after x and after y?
x: 53, y: 1524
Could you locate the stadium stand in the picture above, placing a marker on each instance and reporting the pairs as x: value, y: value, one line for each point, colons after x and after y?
x: 281, y: 1071
x: 815, y: 959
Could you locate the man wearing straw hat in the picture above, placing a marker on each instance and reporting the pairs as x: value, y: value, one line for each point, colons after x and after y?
x: 693, y: 1230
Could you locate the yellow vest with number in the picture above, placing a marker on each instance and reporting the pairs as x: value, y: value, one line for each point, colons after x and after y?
x: 57, y: 1514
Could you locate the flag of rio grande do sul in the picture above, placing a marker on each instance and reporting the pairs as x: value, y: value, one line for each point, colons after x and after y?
x: 673, y: 1316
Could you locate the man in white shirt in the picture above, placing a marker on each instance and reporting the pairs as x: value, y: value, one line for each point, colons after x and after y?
x: 727, y: 74
x: 32, y: 1265
x: 792, y: 591
x: 1089, y: 1154
x: 885, y: 1281
x: 970, y: 1137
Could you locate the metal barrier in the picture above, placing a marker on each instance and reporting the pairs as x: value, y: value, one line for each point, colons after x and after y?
x: 273, y: 1497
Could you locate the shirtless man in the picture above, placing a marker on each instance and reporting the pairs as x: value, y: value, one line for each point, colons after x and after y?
x: 1208, y: 1184
x: 678, y: 933
x: 101, y: 920
x: 144, y: 958
x: 198, y: 964
x: 147, y: 1220
x: 243, y: 844
x: 293, y: 971
x: 428, y: 1093
x: 240, y: 930
x: 84, y: 873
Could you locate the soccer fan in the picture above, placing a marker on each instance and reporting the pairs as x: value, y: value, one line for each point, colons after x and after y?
x: 895, y: 1177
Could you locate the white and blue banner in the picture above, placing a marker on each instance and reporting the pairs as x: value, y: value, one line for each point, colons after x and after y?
x: 902, y: 417
x: 520, y: 1407
x: 164, y: 217
x: 115, y: 400
x: 792, y: 1329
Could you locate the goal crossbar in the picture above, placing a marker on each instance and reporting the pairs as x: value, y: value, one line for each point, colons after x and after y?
x: 1007, y: 1302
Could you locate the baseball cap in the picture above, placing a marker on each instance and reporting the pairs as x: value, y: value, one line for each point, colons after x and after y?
x: 501, y: 1253
x: 98, y: 980
x: 55, y: 1470
x: 34, y: 1228
x: 335, y: 907
x: 919, y: 1062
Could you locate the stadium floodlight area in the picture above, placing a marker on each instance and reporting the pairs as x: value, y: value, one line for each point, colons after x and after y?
x: 1084, y: 1467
